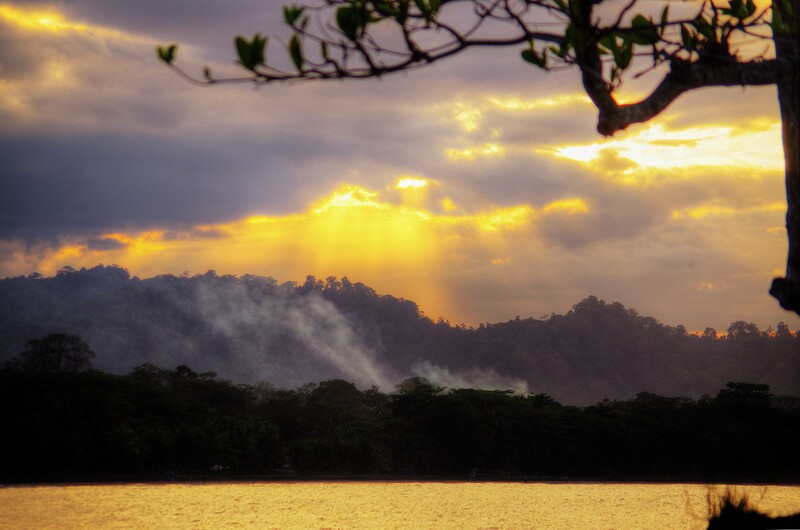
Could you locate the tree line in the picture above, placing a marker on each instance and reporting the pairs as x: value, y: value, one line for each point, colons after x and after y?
x: 156, y: 423
x: 245, y: 328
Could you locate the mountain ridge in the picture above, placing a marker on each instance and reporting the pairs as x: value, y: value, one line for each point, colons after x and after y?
x: 252, y: 328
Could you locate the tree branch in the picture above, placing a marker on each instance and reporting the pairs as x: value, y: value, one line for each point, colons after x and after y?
x: 682, y: 77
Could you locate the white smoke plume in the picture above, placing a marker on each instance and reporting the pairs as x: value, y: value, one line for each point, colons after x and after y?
x: 314, y: 325
x: 480, y: 379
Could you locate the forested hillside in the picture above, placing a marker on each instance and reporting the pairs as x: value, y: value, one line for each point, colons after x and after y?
x: 177, y: 424
x: 252, y: 329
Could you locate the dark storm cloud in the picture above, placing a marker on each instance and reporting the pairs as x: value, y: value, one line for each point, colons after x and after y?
x: 98, y: 181
x: 613, y: 214
x: 105, y: 243
x: 91, y: 182
x: 183, y: 18
x: 513, y: 178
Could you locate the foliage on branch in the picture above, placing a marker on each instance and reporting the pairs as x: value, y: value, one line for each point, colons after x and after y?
x: 367, y: 38
x: 709, y: 43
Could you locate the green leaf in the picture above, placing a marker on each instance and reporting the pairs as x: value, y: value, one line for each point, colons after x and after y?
x: 608, y: 41
x: 777, y: 21
x: 750, y: 7
x: 539, y: 59
x: 704, y: 28
x: 207, y: 74
x: 424, y: 8
x: 736, y: 9
x: 557, y: 51
x: 402, y: 11
x: 645, y: 31
x: 296, y: 52
x: 664, y: 18
x: 686, y: 37
x: 623, y: 54
x: 167, y: 53
x: 251, y: 53
x: 348, y: 20
x: 292, y: 13
x: 571, y: 37
x: 243, y: 51
x: 384, y: 7
x: 257, y: 49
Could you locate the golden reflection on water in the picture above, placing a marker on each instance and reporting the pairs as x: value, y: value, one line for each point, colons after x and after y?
x: 374, y: 505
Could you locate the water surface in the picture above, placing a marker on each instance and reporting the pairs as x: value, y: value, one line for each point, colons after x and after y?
x: 416, y: 505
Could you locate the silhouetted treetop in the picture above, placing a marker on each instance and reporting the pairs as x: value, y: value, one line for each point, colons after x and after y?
x: 57, y: 352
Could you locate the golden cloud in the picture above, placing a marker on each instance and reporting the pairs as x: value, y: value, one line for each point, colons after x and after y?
x: 655, y: 147
x: 51, y: 21
x: 471, y: 153
x: 399, y: 247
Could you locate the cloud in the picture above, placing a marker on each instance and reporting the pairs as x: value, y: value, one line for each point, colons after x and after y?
x: 623, y: 243
x: 655, y: 146
x: 87, y: 183
x: 392, y: 240
x: 109, y: 157
x: 104, y: 243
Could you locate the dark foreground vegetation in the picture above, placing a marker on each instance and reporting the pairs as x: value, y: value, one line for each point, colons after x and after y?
x: 155, y: 423
x: 734, y: 513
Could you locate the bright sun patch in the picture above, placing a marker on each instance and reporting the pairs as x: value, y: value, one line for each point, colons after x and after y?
x: 571, y: 206
x: 701, y: 212
x: 468, y: 116
x: 505, y: 218
x: 473, y: 152
x: 654, y: 147
x: 540, y: 103
x: 398, y: 247
x: 347, y: 196
x: 46, y: 20
x: 52, y: 21
x: 411, y: 182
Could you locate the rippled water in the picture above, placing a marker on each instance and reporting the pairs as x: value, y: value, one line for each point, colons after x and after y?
x: 374, y: 505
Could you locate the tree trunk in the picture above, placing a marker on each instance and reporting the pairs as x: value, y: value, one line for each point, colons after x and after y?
x: 787, y: 290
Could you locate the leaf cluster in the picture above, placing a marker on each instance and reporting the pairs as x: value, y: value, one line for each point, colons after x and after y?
x: 342, y: 43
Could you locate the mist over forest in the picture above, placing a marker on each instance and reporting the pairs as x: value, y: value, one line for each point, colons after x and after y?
x: 252, y: 328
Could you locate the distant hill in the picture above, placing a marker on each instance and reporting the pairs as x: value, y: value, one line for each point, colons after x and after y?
x: 252, y: 328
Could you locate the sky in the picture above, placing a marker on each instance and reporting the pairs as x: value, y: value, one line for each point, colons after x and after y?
x: 478, y: 187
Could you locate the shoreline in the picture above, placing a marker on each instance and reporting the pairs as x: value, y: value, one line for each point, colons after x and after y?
x: 205, y: 479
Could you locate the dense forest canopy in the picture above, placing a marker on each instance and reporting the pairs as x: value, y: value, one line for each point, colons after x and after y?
x: 161, y: 424
x: 253, y: 328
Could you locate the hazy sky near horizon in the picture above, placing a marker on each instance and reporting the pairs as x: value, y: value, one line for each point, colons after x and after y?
x: 478, y: 187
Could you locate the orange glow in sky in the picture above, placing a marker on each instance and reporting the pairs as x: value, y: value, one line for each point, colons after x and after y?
x: 481, y: 201
x: 655, y: 146
x: 38, y: 19
x: 400, y: 249
x: 53, y: 21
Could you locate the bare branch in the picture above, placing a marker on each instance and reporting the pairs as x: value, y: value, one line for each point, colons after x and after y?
x: 682, y: 77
